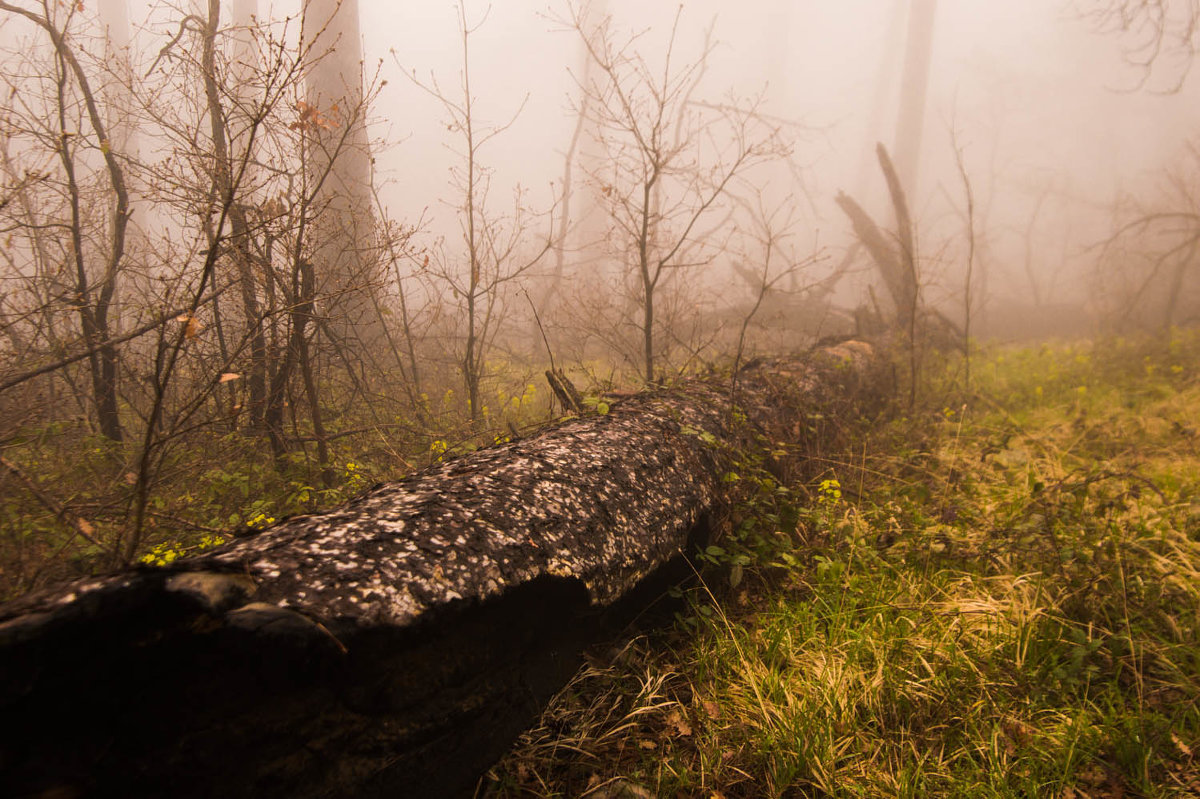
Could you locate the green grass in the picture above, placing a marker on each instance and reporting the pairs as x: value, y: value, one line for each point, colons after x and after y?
x: 1000, y: 598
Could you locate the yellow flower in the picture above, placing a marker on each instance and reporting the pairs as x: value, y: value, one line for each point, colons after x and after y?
x: 829, y: 490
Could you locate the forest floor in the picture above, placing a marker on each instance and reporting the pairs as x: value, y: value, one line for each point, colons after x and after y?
x: 997, y: 596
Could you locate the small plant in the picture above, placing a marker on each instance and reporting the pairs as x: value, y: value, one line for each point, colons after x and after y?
x: 165, y: 553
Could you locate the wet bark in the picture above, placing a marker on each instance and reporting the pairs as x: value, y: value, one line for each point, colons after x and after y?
x: 394, y: 646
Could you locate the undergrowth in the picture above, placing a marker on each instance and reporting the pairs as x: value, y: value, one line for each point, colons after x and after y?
x: 67, y: 495
x: 997, y: 596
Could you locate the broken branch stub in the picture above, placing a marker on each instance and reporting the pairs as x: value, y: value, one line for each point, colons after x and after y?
x: 398, y: 644
x: 894, y: 255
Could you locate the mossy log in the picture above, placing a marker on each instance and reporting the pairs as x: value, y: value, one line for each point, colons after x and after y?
x: 394, y: 646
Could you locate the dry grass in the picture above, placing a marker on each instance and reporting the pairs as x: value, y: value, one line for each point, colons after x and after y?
x: 1008, y: 606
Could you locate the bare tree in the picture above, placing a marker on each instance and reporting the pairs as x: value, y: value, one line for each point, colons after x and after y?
x: 496, y: 247
x: 206, y: 191
x: 767, y: 261
x: 1154, y: 242
x: 897, y: 260
x: 579, y: 138
x: 76, y: 108
x: 1155, y: 31
x: 226, y: 162
x: 223, y: 320
x: 1146, y: 268
x: 1029, y: 236
x: 969, y: 271
x: 669, y: 160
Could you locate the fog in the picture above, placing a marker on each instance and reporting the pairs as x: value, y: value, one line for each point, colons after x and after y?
x: 1045, y: 109
x: 1022, y: 76
x: 224, y: 169
x: 1054, y: 123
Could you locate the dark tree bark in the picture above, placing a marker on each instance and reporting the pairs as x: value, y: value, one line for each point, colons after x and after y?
x: 228, y: 169
x: 394, y: 646
x: 894, y: 256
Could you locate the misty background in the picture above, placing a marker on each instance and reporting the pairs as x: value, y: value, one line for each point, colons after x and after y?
x: 1057, y: 128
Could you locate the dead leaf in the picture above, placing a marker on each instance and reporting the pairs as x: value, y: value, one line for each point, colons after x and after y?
x: 193, y: 326
x: 679, y: 723
x: 228, y: 376
x: 647, y: 745
x: 1183, y: 748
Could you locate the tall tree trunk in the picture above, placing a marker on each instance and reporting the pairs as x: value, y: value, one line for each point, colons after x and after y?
x: 648, y: 332
x: 553, y: 284
x: 588, y: 219
x: 885, y: 89
x: 120, y: 117
x: 343, y: 220
x: 118, y: 101
x: 228, y: 173
x: 914, y: 86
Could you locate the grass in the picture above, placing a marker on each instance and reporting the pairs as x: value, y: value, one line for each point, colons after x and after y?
x: 998, y: 597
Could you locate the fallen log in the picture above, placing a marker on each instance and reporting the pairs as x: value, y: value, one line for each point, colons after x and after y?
x: 394, y: 646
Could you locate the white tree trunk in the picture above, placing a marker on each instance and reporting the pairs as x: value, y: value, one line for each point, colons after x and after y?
x: 343, y: 255
x: 914, y: 85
